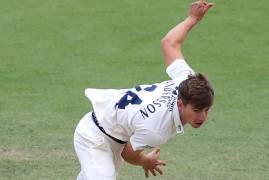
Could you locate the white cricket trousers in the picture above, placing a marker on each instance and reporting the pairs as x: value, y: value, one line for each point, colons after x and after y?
x: 99, y: 156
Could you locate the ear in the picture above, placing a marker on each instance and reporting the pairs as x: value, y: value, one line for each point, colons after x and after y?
x: 179, y: 103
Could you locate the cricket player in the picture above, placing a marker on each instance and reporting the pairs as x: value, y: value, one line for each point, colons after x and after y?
x: 124, y: 122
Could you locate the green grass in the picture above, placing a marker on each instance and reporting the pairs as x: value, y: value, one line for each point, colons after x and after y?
x: 52, y: 50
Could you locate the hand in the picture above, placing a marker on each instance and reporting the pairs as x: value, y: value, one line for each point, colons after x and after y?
x: 152, y: 163
x: 198, y: 9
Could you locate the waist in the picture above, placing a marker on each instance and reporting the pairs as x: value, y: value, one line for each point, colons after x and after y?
x: 103, y: 130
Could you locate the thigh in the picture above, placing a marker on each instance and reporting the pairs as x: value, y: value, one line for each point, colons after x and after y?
x: 95, y: 157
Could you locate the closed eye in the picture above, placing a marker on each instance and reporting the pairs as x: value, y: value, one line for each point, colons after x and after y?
x: 197, y: 110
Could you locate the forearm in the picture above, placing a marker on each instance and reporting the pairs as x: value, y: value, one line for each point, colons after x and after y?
x: 173, y: 40
x: 138, y: 160
x: 177, y: 35
x: 133, y: 157
x: 149, y: 162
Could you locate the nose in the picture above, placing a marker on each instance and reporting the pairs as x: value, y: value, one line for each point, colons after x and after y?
x: 203, y: 115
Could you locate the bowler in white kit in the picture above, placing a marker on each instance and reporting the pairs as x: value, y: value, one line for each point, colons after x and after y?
x: 124, y: 122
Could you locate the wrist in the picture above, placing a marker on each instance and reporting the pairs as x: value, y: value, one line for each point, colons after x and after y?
x: 192, y: 20
x: 140, y: 160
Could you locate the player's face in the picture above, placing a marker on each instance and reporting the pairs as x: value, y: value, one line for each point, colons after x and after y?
x: 189, y: 114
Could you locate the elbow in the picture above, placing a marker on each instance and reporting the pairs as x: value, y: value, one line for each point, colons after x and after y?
x: 165, y: 42
x: 171, y: 50
x: 124, y: 158
x: 168, y: 43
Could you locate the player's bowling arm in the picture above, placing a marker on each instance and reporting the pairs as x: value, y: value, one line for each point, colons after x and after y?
x: 173, y: 40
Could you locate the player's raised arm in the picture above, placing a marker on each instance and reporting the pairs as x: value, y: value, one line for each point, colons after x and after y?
x: 173, y: 40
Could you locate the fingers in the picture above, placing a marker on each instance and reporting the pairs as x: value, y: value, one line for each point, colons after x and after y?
x: 146, y: 172
x: 202, y: 5
x: 153, y: 172
x: 198, y: 4
x: 156, y: 150
x: 203, y: 2
x: 159, y: 170
x: 209, y: 5
x: 160, y: 162
x: 156, y: 169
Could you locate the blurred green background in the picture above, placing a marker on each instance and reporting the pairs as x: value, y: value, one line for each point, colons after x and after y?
x: 50, y: 51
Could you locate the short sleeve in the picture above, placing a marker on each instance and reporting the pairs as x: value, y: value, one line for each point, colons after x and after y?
x: 179, y: 69
x: 144, y: 138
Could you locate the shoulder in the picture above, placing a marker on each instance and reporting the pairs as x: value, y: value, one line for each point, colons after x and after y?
x: 179, y: 69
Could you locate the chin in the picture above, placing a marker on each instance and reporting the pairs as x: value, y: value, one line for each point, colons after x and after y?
x: 196, y: 125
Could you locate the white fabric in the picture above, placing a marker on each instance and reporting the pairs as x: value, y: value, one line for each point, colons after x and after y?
x: 99, y: 156
x: 179, y: 70
x: 147, y: 115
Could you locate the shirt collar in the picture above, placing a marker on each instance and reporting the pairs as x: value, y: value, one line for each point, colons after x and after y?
x: 177, y: 120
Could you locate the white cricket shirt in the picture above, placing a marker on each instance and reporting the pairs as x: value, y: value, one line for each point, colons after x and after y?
x: 146, y: 115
